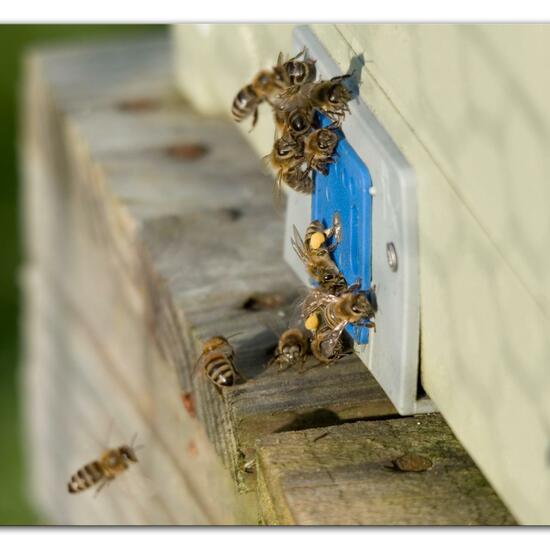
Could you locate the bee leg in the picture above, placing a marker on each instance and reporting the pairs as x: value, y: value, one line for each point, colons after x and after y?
x: 254, y: 119
x: 102, y: 484
x: 336, y: 117
x: 341, y: 77
x: 355, y: 286
x: 302, y: 367
x: 196, y: 368
x: 317, y: 364
x: 241, y: 377
x: 334, y: 230
x: 367, y: 324
x: 337, y: 226
x: 300, y: 53
x: 321, y: 167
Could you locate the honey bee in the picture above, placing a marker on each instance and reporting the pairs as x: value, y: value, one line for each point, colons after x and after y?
x: 110, y: 465
x: 299, y: 180
x: 329, y: 97
x: 293, y: 72
x: 217, y: 361
x: 263, y: 87
x: 337, y: 311
x: 292, y: 349
x: 315, y: 255
x: 319, y: 148
x: 299, y: 122
x: 287, y: 159
x: 287, y: 154
x: 317, y: 235
x: 267, y: 84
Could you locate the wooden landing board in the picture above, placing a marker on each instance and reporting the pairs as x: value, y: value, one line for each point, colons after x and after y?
x: 345, y: 475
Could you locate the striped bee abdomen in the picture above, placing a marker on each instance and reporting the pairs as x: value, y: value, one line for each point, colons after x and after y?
x: 300, y: 72
x: 86, y: 477
x: 245, y: 103
x: 220, y: 370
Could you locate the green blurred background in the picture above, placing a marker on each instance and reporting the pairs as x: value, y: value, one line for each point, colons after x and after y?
x: 14, y: 40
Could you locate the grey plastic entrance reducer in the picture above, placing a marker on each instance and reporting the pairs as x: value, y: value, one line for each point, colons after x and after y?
x: 392, y: 354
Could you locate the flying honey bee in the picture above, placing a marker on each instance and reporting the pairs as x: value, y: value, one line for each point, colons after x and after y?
x: 217, y: 361
x: 292, y: 349
x: 315, y: 255
x: 267, y: 84
x: 319, y: 148
x: 263, y: 87
x: 104, y: 470
x: 352, y: 306
x: 329, y: 97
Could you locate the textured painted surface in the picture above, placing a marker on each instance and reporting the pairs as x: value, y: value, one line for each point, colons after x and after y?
x: 471, y: 107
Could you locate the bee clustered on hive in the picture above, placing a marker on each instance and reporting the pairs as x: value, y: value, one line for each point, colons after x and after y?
x: 301, y: 145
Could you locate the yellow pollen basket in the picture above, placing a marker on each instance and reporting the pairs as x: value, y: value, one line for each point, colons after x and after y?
x: 317, y: 239
x: 312, y: 322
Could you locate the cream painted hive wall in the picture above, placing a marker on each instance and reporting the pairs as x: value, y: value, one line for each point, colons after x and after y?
x: 468, y: 106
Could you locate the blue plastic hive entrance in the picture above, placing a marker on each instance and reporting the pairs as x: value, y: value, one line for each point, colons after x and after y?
x: 345, y: 190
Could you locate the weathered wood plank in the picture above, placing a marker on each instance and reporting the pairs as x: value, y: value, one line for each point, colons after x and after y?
x: 345, y: 475
x: 91, y: 357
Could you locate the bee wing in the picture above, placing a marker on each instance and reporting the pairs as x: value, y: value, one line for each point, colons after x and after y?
x: 332, y: 338
x: 103, y: 483
x: 298, y: 245
x: 316, y: 299
x: 267, y: 165
x: 354, y: 286
x: 291, y: 98
x: 267, y: 160
x: 277, y: 191
x: 275, y: 324
x: 134, y: 484
x: 299, y: 54
x: 196, y: 367
x: 280, y: 58
x: 371, y: 297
